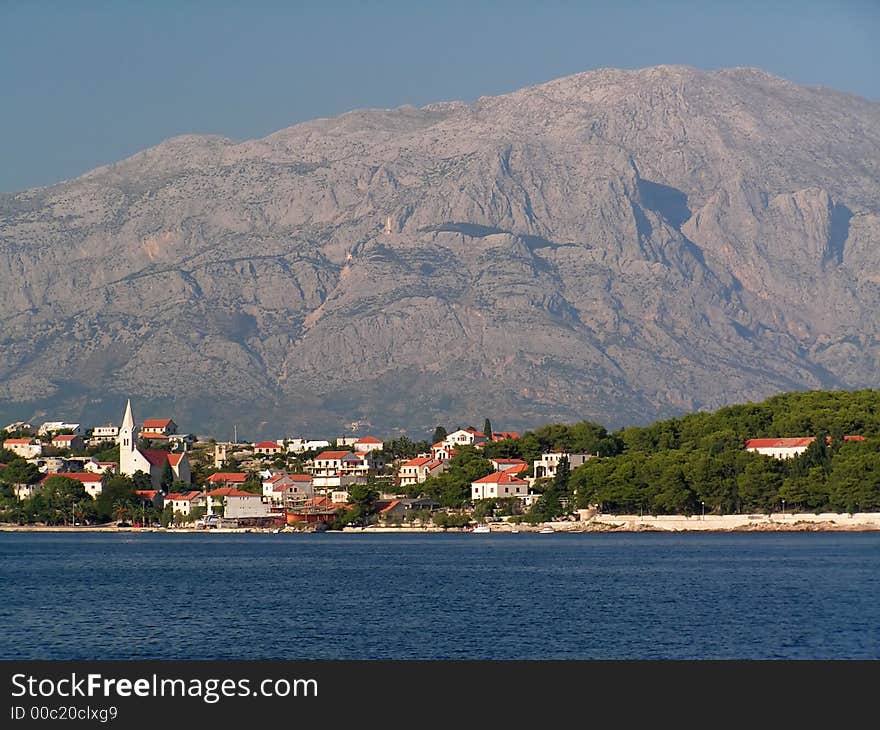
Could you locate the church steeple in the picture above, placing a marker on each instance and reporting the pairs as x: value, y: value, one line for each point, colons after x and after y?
x: 127, y: 436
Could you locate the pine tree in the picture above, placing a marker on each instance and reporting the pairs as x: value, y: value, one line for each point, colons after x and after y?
x: 487, y: 429
x: 167, y: 477
x: 562, y: 481
x: 439, y: 434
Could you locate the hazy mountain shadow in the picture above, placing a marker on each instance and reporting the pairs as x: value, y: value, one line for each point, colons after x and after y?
x: 838, y: 232
x: 664, y: 200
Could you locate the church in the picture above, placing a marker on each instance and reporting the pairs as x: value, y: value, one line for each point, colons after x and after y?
x: 149, y: 461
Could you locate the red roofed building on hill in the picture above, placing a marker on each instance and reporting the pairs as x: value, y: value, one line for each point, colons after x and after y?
x: 183, y: 502
x: 161, y: 426
x: 499, y: 485
x: 268, y: 448
x: 150, y: 461
x: 416, y: 471
x: 91, y: 482
x: 787, y: 448
x: 367, y: 444
x: 237, y: 503
x: 226, y: 478
x: 465, y: 437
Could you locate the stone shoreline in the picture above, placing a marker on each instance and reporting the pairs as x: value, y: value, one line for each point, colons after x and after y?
x: 800, y: 522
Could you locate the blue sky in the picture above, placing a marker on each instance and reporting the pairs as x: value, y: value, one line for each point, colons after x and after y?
x: 86, y: 83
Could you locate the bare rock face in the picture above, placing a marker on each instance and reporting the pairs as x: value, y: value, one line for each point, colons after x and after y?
x: 615, y: 245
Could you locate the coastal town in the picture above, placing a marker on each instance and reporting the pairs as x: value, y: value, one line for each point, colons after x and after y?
x: 150, y: 475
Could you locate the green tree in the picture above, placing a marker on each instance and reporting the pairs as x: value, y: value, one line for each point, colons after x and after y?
x: 439, y: 434
x: 483, y: 509
x: 561, y: 482
x: 62, y: 495
x: 487, y: 429
x: 362, y: 500
x: 167, y: 477
x: 19, y: 471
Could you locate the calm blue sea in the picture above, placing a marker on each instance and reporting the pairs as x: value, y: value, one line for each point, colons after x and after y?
x: 526, y: 596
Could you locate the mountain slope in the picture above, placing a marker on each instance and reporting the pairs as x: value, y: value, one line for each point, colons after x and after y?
x: 616, y: 245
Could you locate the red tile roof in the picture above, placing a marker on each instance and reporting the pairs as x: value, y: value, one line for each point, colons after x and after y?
x: 181, y: 496
x: 368, y: 440
x: 420, y: 461
x: 332, y: 455
x: 518, y: 469
x: 64, y: 437
x: 232, y: 477
x: 780, y: 443
x: 300, y: 477
x: 499, y: 435
x: 153, y: 435
x: 318, y: 502
x: 174, y: 459
x: 157, y: 457
x: 152, y: 423
x: 148, y: 493
x: 18, y: 441
x: 81, y: 476
x: 390, y: 506
x: 499, y: 477
x: 268, y: 445
x: 231, y: 492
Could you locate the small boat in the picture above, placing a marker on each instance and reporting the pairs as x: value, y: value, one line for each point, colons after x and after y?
x: 546, y: 530
x: 481, y: 529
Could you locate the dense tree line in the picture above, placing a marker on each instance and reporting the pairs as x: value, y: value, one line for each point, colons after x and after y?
x: 64, y: 501
x: 698, y: 462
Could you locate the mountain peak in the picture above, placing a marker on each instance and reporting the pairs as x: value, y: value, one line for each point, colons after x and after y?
x: 616, y: 244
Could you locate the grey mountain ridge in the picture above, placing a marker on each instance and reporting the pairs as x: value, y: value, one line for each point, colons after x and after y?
x: 614, y: 245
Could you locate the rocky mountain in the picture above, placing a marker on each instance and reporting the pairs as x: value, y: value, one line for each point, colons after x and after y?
x: 614, y: 245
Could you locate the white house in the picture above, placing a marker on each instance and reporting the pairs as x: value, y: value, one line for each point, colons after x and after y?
x: 99, y: 467
x: 465, y: 437
x: 68, y: 441
x: 282, y: 488
x: 334, y: 469
x: 158, y: 428
x: 26, y: 448
x: 441, y: 451
x: 104, y: 434
x: 236, y: 503
x: 184, y: 502
x: 547, y: 464
x: 268, y: 448
x: 367, y: 444
x: 299, y: 489
x: 780, y: 448
x: 416, y: 471
x: 56, y: 426
x: 298, y: 445
x: 499, y: 485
